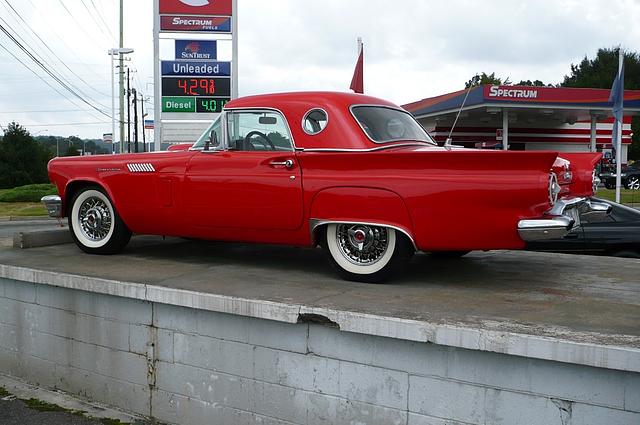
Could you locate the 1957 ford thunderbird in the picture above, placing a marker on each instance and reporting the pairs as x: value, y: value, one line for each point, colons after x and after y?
x: 352, y: 173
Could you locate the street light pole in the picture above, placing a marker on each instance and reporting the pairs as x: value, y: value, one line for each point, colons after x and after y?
x: 121, y: 77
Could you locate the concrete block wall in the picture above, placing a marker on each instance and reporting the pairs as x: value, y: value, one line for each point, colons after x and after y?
x: 188, y: 366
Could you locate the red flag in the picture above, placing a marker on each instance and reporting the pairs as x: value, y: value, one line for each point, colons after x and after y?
x: 357, y: 82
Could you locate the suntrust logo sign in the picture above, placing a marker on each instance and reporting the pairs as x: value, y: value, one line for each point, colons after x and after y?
x: 510, y: 93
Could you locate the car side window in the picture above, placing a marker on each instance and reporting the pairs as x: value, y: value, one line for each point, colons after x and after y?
x: 258, y: 130
x: 315, y: 121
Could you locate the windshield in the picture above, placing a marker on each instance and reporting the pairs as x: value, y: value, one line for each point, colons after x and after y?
x: 215, y: 127
x: 383, y: 124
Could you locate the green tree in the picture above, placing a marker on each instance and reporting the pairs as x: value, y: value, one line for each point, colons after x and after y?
x: 534, y: 83
x: 484, y: 78
x: 600, y: 73
x: 22, y: 160
x: 72, y: 151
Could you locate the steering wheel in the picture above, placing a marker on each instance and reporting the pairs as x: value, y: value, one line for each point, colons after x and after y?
x: 264, y: 138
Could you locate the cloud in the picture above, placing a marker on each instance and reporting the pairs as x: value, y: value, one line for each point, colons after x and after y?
x: 413, y: 48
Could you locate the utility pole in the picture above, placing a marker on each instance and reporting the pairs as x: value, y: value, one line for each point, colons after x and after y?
x: 121, y: 77
x: 142, y: 115
x: 128, y: 113
x: 135, y: 118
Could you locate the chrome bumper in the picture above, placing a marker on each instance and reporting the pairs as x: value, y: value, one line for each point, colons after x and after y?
x: 53, y: 204
x: 560, y: 219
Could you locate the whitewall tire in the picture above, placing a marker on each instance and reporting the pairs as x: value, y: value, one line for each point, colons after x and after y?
x: 95, y: 225
x: 365, y: 253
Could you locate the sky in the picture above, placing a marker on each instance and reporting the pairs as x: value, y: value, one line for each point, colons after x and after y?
x: 413, y: 49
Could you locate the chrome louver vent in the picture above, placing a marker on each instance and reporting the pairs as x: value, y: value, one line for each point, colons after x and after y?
x: 143, y: 167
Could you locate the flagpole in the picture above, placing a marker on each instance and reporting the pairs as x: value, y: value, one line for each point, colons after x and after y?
x: 618, y: 127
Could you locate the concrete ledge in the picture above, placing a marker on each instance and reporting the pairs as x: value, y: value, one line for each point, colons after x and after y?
x: 35, y: 239
x: 579, y: 348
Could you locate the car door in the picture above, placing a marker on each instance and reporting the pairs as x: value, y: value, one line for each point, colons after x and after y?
x: 251, y: 182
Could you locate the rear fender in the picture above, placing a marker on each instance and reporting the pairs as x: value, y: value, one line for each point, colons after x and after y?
x: 582, y: 166
x: 359, y: 205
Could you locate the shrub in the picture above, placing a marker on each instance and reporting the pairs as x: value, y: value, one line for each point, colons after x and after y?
x: 28, y: 193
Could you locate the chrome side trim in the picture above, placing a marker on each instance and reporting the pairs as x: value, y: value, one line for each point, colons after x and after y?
x: 141, y: 167
x: 53, y: 204
x: 379, y: 148
x: 314, y: 223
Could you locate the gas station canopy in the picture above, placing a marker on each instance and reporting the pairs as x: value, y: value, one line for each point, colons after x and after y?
x: 527, y: 118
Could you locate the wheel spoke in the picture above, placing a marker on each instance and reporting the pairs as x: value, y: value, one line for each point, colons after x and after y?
x: 362, y: 244
x: 95, y: 219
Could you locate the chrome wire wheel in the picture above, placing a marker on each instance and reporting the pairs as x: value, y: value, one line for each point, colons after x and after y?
x: 92, y: 219
x: 362, y: 244
x: 634, y: 183
x: 95, y: 219
x: 360, y: 249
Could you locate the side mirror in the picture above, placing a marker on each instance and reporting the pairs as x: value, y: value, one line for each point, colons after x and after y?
x: 212, y: 141
x: 448, y: 143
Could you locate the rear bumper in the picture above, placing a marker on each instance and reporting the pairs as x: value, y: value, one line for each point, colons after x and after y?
x: 53, y: 204
x: 560, y: 219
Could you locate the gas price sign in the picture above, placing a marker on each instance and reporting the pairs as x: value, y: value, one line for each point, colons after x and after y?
x: 199, y: 86
x: 210, y: 105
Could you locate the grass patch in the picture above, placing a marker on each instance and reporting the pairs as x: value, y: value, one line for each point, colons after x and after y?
x: 22, y: 209
x: 43, y: 406
x: 28, y: 193
x: 4, y: 393
x: 627, y: 196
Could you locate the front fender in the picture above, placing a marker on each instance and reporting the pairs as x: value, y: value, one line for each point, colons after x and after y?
x: 360, y: 205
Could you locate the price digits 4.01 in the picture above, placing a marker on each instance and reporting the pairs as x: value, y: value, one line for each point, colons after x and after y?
x: 210, y: 105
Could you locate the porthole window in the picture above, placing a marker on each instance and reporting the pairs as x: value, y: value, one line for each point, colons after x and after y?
x: 314, y: 121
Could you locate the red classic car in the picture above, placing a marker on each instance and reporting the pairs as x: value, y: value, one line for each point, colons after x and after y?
x: 352, y: 173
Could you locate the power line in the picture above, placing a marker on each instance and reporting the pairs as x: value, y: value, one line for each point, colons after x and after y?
x: 48, y: 71
x: 101, y: 18
x: 52, y: 52
x: 77, y: 22
x: 44, y: 111
x: 57, y: 124
x: 40, y: 77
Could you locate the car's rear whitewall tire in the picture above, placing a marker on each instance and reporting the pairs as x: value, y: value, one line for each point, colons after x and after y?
x: 95, y: 224
x: 365, y: 253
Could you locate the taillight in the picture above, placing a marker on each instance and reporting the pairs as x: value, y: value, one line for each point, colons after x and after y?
x: 554, y: 188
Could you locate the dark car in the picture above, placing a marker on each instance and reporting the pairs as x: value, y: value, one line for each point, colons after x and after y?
x: 630, y: 178
x: 618, y: 234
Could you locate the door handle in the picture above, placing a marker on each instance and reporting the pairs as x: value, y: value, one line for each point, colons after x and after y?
x: 287, y: 164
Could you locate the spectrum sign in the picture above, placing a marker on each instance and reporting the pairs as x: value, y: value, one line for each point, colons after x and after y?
x: 181, y: 23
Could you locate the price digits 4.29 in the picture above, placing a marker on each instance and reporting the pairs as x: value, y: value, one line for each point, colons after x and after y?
x: 197, y: 86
